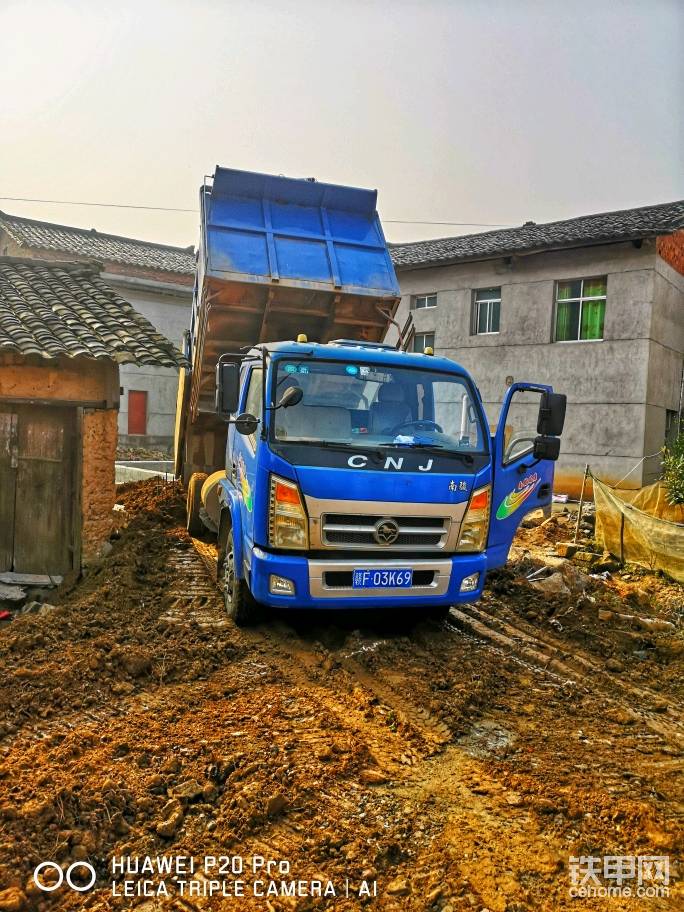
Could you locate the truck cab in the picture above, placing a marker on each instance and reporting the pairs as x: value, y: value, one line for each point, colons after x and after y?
x: 362, y: 476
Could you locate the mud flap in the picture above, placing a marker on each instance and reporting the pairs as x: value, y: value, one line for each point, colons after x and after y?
x: 230, y: 518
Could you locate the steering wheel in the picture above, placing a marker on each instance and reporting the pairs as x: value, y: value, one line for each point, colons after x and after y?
x: 423, y: 424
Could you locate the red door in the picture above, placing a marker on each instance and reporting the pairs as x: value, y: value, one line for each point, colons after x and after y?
x: 137, y: 412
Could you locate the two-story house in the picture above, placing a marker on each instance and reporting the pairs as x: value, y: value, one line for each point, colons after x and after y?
x: 156, y: 279
x: 592, y: 305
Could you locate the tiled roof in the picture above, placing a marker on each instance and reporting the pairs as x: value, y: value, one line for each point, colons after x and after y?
x: 55, y: 309
x: 626, y: 224
x: 106, y: 248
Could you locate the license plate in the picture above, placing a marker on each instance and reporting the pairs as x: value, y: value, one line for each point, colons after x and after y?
x: 382, y: 579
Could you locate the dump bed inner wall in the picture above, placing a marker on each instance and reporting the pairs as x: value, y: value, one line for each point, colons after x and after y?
x: 278, y: 257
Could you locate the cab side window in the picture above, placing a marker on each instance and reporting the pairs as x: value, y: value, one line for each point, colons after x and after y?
x: 521, y: 425
x: 254, y: 400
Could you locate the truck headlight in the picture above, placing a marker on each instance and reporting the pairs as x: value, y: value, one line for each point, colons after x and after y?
x: 475, y: 523
x: 288, y: 526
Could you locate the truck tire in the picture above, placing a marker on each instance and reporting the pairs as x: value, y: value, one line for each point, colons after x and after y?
x: 193, y: 522
x: 241, y: 606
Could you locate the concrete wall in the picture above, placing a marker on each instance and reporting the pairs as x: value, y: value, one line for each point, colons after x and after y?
x: 608, y: 383
x: 666, y: 355
x: 169, y: 312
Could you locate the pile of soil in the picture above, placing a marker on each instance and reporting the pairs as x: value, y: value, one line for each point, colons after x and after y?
x: 446, y: 771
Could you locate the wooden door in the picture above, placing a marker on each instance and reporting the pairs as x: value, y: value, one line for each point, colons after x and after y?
x: 137, y: 412
x: 37, y: 489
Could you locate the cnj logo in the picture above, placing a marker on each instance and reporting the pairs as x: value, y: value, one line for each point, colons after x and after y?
x: 73, y: 876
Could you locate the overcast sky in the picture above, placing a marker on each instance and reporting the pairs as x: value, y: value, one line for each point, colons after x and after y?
x: 455, y: 110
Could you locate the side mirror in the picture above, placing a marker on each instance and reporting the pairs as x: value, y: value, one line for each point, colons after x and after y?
x: 546, y: 447
x: 291, y: 396
x: 227, y: 388
x: 246, y: 424
x: 551, y: 414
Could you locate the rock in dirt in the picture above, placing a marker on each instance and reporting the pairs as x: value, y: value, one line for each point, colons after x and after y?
x: 607, y: 562
x: 122, y: 688
x: 551, y: 585
x: 614, y: 665
x: 169, y: 826
x: 135, y: 661
x: 276, y: 804
x: 372, y: 777
x: 12, y: 900
x: 566, y: 549
x: 586, y: 558
x: 12, y: 594
x: 656, y: 624
x: 189, y: 790
x: 532, y: 520
x: 398, y: 887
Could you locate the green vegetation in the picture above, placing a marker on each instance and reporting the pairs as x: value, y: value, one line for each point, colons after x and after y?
x: 673, y: 470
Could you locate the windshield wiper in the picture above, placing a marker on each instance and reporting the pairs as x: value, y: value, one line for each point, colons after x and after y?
x: 438, y: 448
x: 329, y: 444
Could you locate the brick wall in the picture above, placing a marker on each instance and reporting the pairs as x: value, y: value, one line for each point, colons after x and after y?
x: 671, y: 249
x: 98, y: 490
x: 67, y: 379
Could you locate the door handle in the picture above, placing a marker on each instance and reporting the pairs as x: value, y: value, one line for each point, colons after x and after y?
x: 544, y: 490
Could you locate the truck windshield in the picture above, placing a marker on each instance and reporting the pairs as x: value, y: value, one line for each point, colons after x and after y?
x: 361, y: 405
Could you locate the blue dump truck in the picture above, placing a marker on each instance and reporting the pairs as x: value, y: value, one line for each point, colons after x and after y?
x: 338, y: 471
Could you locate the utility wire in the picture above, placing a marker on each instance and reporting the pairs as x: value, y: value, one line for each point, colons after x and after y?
x: 25, y: 199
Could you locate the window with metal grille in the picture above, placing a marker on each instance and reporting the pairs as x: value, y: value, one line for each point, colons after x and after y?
x: 580, y: 309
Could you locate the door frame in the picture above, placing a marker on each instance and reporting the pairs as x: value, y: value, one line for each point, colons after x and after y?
x: 76, y: 447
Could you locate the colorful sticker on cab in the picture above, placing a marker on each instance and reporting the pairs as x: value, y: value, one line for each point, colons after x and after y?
x: 517, y: 496
x: 244, y: 483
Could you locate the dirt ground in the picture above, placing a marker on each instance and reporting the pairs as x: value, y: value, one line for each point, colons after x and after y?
x: 435, y: 765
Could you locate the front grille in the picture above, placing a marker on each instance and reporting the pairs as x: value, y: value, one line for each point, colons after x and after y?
x: 342, y: 579
x: 357, y: 531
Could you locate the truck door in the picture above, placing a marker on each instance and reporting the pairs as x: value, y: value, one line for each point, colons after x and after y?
x: 521, y: 483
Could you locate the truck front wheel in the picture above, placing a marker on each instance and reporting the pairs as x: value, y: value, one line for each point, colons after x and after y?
x: 193, y: 522
x: 240, y: 603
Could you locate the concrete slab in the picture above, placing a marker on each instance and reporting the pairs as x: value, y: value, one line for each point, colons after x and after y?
x: 11, y: 593
x: 141, y: 471
x: 25, y: 579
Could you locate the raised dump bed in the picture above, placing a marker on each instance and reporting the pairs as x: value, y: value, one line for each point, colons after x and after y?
x: 277, y: 257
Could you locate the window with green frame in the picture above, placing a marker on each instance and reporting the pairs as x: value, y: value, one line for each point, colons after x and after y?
x: 580, y: 309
